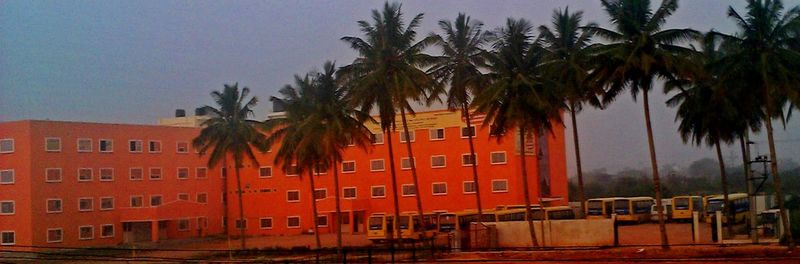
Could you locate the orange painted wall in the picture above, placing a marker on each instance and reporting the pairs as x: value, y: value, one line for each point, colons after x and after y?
x: 20, y: 191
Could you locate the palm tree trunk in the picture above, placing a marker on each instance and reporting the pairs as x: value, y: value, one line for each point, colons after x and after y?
x: 241, y: 205
x: 225, y: 204
x: 749, y: 183
x: 338, y: 210
x: 724, y: 176
x: 314, y: 208
x: 413, y: 172
x: 662, y: 228
x: 465, y: 111
x: 581, y: 193
x: 525, y: 187
x: 392, y: 171
x: 776, y: 180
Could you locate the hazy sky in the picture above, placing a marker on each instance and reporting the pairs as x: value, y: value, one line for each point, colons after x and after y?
x: 136, y: 61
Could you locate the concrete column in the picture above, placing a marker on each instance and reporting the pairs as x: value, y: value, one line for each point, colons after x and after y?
x: 718, y: 216
x: 154, y: 231
x: 696, y: 227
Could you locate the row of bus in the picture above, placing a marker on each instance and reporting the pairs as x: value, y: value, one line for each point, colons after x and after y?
x: 641, y: 209
x: 381, y: 226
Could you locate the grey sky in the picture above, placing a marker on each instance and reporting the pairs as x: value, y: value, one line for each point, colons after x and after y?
x: 135, y: 61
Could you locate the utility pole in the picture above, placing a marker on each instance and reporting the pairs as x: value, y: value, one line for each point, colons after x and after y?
x: 750, y: 192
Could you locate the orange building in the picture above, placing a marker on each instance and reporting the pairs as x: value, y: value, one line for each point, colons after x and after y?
x: 89, y: 184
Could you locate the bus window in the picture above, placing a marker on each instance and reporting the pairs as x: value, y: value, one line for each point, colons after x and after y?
x: 447, y: 222
x: 697, y: 204
x: 609, y: 207
x: 402, y: 222
x: 622, y: 207
x: 560, y: 214
x: 643, y: 207
x: 376, y: 223
x: 714, y: 205
x: 682, y: 203
x: 488, y: 218
x: 595, y: 208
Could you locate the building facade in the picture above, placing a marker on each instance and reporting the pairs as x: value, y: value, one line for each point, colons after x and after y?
x: 87, y: 184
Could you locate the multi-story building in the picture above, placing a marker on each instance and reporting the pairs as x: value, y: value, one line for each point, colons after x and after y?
x: 88, y: 184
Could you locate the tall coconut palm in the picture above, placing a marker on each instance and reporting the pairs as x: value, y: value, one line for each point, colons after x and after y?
x: 516, y: 98
x: 231, y: 132
x: 639, y: 52
x: 459, y: 66
x: 767, y: 57
x: 386, y: 76
x: 566, y: 65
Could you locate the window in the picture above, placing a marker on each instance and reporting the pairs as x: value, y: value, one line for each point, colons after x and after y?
x: 106, y: 174
x: 498, y: 157
x: 84, y: 174
x: 469, y: 187
x: 84, y: 145
x: 467, y: 132
x: 202, y: 173
x: 6, y: 176
x: 183, y: 225
x: 54, y: 206
x: 320, y: 194
x: 85, y: 204
x: 155, y: 173
x: 136, y: 201
x: 6, y: 145
x: 106, y: 231
x: 436, y: 134
x: 265, y: 223
x: 438, y: 161
x: 135, y: 146
x: 349, y: 192
x: 106, y: 203
x: 54, y: 235
x: 183, y: 173
x: 183, y: 196
x: 85, y: 232
x: 182, y: 147
x: 106, y: 145
x: 52, y: 175
x: 156, y: 200
x: 408, y: 190
x: 292, y: 171
x: 202, y: 198
x: 378, y: 191
x: 499, y: 185
x: 377, y: 165
x: 377, y: 139
x: 136, y: 174
x: 439, y: 188
x: 52, y: 144
x: 404, y: 137
x: 7, y: 208
x: 322, y: 220
x: 265, y: 172
x: 154, y: 146
x: 293, y: 221
x: 348, y: 166
x: 405, y: 163
x: 241, y: 223
x: 467, y: 159
x: 293, y: 196
x: 319, y: 169
x: 7, y: 238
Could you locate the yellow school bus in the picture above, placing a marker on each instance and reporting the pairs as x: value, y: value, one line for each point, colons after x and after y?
x: 740, y: 206
x: 547, y: 213
x: 380, y: 228
x: 683, y: 206
x: 599, y: 208
x: 412, y: 229
x: 633, y: 209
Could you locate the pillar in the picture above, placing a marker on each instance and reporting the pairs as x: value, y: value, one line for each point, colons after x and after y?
x: 154, y: 231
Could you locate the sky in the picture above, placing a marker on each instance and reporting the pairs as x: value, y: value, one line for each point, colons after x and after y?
x: 136, y: 61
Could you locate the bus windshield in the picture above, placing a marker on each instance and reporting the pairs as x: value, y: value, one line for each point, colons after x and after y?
x: 715, y: 205
x: 375, y: 223
x: 681, y: 203
x: 595, y: 207
x: 402, y: 222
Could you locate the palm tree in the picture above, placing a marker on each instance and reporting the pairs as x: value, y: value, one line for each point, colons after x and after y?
x: 516, y: 98
x: 767, y: 57
x: 566, y: 65
x: 640, y: 51
x: 230, y: 132
x: 386, y: 75
x: 459, y: 65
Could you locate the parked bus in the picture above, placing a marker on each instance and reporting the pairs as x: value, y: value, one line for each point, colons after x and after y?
x: 683, y: 206
x: 633, y: 209
x: 740, y: 206
x: 447, y: 222
x: 380, y: 228
x: 599, y: 208
x: 547, y: 213
x: 412, y: 229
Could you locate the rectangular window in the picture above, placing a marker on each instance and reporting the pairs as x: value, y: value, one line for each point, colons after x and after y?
x: 202, y: 197
x: 7, y: 145
x: 106, y: 145
x: 320, y: 169
x: 292, y: 171
x: 52, y: 175
x: 241, y: 223
x: 467, y: 132
x: 408, y: 190
x: 52, y: 144
x: 438, y: 161
x: 378, y: 191
x: 183, y: 173
x: 498, y: 157
x: 85, y: 232
x: 106, y: 203
x: 404, y: 137
x: 135, y: 146
x: 322, y: 220
x: 377, y: 165
x: 183, y: 196
x: 436, y: 134
x: 85, y: 204
x: 349, y: 192
x: 7, y: 238
x: 293, y: 221
x: 136, y: 201
x: 293, y: 196
x: 467, y: 159
x: 106, y: 231
x: 265, y: 172
x: 265, y: 223
x: 155, y: 173
x: 154, y: 146
x: 183, y: 225
x: 377, y: 139
x: 7, y: 177
x: 499, y: 185
x: 84, y: 174
x: 136, y: 174
x: 84, y: 145
x: 469, y: 187
x: 348, y: 166
x: 182, y: 147
x: 439, y: 188
x: 156, y: 200
x: 320, y: 194
x: 106, y: 174
x: 54, y: 206
x: 7, y: 207
x: 202, y: 173
x: 405, y: 163
x: 54, y: 235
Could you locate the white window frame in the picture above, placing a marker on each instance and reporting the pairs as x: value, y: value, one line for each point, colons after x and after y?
x: 113, y: 230
x: 321, y: 216
x: 197, y: 197
x: 47, y: 206
x: 382, y: 137
x: 100, y: 174
x: 141, y: 146
x: 13, y: 234
x: 297, y: 174
x: 197, y: 173
x: 371, y: 192
x: 474, y: 132
x: 91, y: 207
x: 12, y: 145
x: 130, y: 173
x: 150, y: 174
x: 13, y: 176
x: 349, y: 161
x: 383, y: 161
x: 431, y: 133
x: 130, y: 201
x: 91, y: 174
x: 413, y: 136
x: 188, y: 198
x: 52, y: 150
x: 444, y: 157
x: 402, y: 190
x: 299, y: 223
x: 100, y: 144
x: 501, y: 191
x: 271, y: 223
x: 265, y: 167
x: 433, y: 189
x: 160, y: 146
x: 78, y: 145
x: 151, y: 200
x: 60, y: 231
x: 355, y: 192
x: 178, y: 173
x: 469, y: 165
x: 91, y: 227
x: 464, y: 187
x: 178, y: 148
x: 409, y: 165
x: 100, y: 206
x: 293, y: 201
x: 13, y: 207
x: 505, y: 157
x: 320, y: 189
x: 60, y: 175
